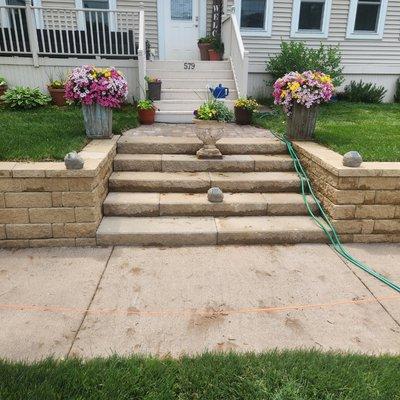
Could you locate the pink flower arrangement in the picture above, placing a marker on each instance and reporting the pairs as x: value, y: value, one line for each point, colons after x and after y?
x: 89, y: 85
x: 308, y: 89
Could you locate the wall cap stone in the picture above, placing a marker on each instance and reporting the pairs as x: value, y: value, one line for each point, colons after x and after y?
x: 333, y: 162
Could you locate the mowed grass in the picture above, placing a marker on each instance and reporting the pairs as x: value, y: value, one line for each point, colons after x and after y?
x: 50, y: 133
x: 371, y: 129
x: 271, y: 376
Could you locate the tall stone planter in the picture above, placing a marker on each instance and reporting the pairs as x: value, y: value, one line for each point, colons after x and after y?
x: 98, y: 121
x: 209, y: 132
x: 301, y: 124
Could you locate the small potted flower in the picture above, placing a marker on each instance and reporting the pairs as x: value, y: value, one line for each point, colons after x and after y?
x: 146, y: 111
x: 205, y: 44
x: 244, y: 109
x: 154, y: 88
x: 210, y: 120
x: 99, y: 91
x: 217, y: 50
x: 3, y: 86
x: 56, y: 89
x: 300, y: 95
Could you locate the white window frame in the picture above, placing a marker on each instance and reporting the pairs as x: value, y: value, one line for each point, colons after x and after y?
x: 5, y: 19
x: 81, y: 15
x: 352, y: 34
x: 267, y: 30
x: 295, y: 32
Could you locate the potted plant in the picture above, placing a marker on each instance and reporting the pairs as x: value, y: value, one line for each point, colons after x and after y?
x: 300, y: 95
x: 244, y: 109
x: 154, y: 88
x: 210, y: 120
x: 217, y: 50
x: 56, y: 89
x: 205, y: 44
x: 3, y: 86
x: 146, y: 111
x: 99, y: 91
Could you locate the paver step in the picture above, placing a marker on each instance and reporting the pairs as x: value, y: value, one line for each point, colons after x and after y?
x: 185, y: 105
x: 201, y: 181
x: 191, y: 94
x: 197, y: 204
x: 190, y: 163
x: 178, y: 65
x: 196, y: 231
x: 198, y: 83
x: 164, y: 73
x: 189, y: 145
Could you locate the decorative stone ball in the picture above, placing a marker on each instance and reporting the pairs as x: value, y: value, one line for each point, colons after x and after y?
x: 352, y: 159
x: 73, y: 161
x: 215, y: 195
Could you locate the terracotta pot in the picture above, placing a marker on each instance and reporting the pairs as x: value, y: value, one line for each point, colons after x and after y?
x: 3, y: 89
x: 243, y: 116
x: 301, y: 124
x: 214, y: 56
x: 204, y: 47
x: 146, y: 117
x: 58, y: 96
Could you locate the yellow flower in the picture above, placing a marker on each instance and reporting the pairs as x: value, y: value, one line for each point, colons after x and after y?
x: 107, y: 74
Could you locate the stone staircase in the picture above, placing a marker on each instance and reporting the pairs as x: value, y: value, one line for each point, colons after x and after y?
x: 184, y: 89
x: 158, y: 195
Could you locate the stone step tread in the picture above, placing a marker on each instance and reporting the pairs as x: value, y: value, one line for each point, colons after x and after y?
x: 192, y: 231
x: 192, y: 204
x: 190, y: 163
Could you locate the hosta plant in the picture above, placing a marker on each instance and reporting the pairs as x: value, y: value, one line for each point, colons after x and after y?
x: 24, y: 98
x: 214, y: 110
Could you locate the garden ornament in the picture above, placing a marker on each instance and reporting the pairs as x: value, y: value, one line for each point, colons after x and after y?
x: 215, y: 195
x: 73, y: 161
x: 352, y: 159
x: 220, y: 92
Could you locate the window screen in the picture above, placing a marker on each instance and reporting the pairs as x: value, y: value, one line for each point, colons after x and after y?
x: 253, y: 14
x: 367, y: 15
x: 98, y: 4
x: 311, y: 15
x: 182, y: 10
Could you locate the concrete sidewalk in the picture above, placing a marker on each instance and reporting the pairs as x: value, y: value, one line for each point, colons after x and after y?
x: 96, y: 302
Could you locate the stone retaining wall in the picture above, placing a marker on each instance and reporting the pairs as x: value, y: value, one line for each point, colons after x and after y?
x: 364, y: 203
x: 44, y: 204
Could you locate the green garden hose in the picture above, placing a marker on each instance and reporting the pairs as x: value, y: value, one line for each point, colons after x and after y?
x: 323, y: 221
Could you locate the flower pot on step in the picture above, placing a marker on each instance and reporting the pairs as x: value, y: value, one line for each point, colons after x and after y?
x: 154, y: 92
x: 98, y: 121
x: 58, y: 96
x: 147, y: 117
x: 209, y: 132
x: 243, y: 116
x: 301, y: 123
x: 204, y: 47
x: 214, y: 55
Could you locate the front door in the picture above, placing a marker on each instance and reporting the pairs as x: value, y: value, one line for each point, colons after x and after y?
x: 182, y: 29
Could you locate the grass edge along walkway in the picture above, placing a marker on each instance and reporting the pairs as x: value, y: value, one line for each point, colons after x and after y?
x: 288, y: 375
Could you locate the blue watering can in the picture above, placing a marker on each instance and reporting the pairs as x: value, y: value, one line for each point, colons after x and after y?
x: 220, y: 92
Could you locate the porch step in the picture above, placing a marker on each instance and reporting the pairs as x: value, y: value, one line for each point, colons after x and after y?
x: 190, y: 145
x: 191, y: 94
x: 197, y: 204
x: 199, y: 182
x: 194, y: 231
x: 174, y: 117
x: 181, y: 65
x: 190, y: 163
x: 189, y: 74
x: 185, y: 105
x: 197, y: 83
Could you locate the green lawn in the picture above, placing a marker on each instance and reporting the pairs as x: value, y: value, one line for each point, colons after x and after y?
x: 49, y: 133
x: 371, y: 129
x: 271, y: 376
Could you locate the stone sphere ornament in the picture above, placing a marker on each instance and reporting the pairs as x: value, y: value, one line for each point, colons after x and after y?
x: 73, y: 161
x: 352, y: 159
x: 215, y: 195
x: 209, y: 132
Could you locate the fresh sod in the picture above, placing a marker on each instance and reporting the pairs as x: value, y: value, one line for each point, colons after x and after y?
x: 291, y: 375
x: 50, y: 133
x: 371, y: 129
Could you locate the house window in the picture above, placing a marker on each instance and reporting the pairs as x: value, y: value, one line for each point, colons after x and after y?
x: 254, y: 17
x: 366, y: 19
x: 310, y: 18
x: 94, y: 18
x: 6, y: 16
x: 182, y: 10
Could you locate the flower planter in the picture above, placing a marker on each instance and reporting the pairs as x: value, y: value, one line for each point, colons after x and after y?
x: 98, y: 121
x: 154, y: 92
x: 209, y: 132
x: 204, y: 47
x: 3, y: 89
x: 58, y: 96
x: 301, y: 123
x: 243, y: 116
x: 214, y: 56
x: 146, y: 117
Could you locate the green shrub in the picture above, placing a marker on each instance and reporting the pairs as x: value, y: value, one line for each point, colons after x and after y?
x: 296, y: 56
x: 2, y: 81
x: 23, y: 98
x: 362, y: 92
x: 397, y: 92
x: 214, y: 110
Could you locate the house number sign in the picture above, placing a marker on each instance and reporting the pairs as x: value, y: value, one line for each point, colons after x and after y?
x: 189, y: 65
